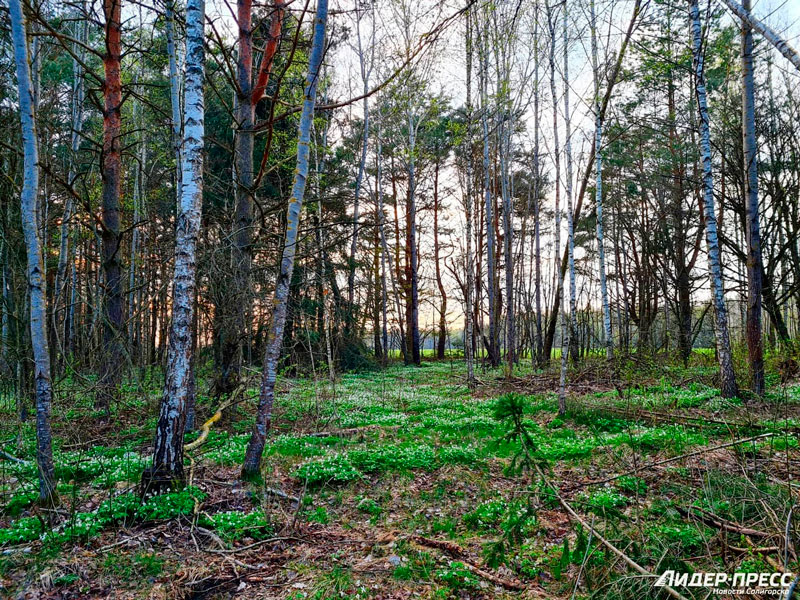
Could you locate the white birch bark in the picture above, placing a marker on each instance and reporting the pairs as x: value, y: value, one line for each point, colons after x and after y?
x: 468, y: 325
x: 537, y: 252
x: 167, y: 468
x: 255, y: 447
x: 365, y: 76
x: 573, y: 323
x: 598, y: 156
x: 773, y: 38
x: 487, y: 191
x: 37, y: 284
x: 727, y: 377
x: 174, y: 93
x: 755, y: 344
x: 562, y: 384
x: 320, y: 166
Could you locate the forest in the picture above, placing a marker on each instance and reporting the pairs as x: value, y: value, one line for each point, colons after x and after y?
x: 391, y: 299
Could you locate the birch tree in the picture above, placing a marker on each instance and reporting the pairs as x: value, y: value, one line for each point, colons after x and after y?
x: 174, y: 94
x: 258, y: 438
x: 562, y: 394
x: 727, y: 377
x: 755, y: 270
x: 469, y: 266
x: 491, y: 283
x: 743, y: 12
x: 37, y: 283
x: 598, y: 171
x: 167, y: 468
x: 570, y: 345
x: 365, y: 71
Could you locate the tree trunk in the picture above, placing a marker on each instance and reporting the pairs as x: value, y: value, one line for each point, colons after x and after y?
x: 258, y: 438
x: 562, y: 396
x: 37, y: 284
x: 167, y: 468
x: 562, y: 269
x: 112, y: 355
x: 598, y: 173
x: 411, y: 240
x: 468, y: 314
x: 491, y: 285
x: 727, y: 377
x: 239, y: 303
x: 351, y: 274
x: 743, y: 12
x: 442, y: 337
x: 69, y: 203
x: 755, y: 345
x: 174, y: 95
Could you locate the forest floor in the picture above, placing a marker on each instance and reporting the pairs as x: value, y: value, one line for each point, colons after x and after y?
x: 397, y: 484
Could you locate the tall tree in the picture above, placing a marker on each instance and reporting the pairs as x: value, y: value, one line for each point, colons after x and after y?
x: 365, y: 70
x: 167, y: 468
x: 111, y: 233
x: 37, y: 283
x: 755, y: 346
x: 727, y: 376
x: 469, y: 262
x: 258, y: 438
x: 598, y: 174
x: 249, y: 93
x: 492, y: 344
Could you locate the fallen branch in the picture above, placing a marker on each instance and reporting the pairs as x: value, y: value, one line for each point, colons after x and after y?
x: 627, y: 559
x: 206, y: 428
x: 351, y: 431
x: 460, y: 553
x: 281, y: 494
x: 657, y: 463
x: 720, y: 523
x: 254, y: 544
x: 449, y: 547
x: 12, y: 458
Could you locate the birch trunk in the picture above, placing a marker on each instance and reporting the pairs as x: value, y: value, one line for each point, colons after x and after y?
x: 755, y: 345
x: 442, y: 337
x: 167, y: 468
x: 258, y: 438
x: 322, y: 258
x: 562, y: 398
x: 468, y: 321
x: 598, y: 168
x: 411, y: 236
x: 365, y: 74
x: 174, y: 95
x: 743, y: 12
x: 573, y: 323
x: 562, y: 269
x: 508, y: 232
x: 539, y: 348
x: 727, y: 377
x: 382, y: 240
x: 37, y: 284
x: 384, y: 245
x: 492, y: 345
